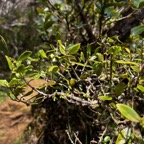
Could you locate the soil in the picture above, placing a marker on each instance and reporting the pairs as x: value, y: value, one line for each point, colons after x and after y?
x: 14, y: 117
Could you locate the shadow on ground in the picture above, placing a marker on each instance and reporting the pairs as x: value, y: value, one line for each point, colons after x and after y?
x: 14, y: 117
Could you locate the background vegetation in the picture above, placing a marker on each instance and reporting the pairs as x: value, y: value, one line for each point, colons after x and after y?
x: 90, y: 53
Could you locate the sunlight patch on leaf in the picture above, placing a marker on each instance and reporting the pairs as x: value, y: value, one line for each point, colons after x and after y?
x: 124, y: 136
x: 128, y: 113
x: 126, y: 62
x: 73, y: 49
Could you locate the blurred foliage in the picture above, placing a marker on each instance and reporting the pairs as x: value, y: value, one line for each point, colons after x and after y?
x: 17, y: 27
x: 2, y: 96
x: 85, y: 65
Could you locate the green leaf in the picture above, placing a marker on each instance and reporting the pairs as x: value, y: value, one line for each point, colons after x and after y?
x: 42, y: 53
x: 119, y: 88
x: 98, y: 68
x: 141, y: 3
x: 34, y: 75
x: 24, y: 55
x: 53, y: 69
x: 12, y: 96
x: 110, y: 11
x: 142, y: 122
x: 29, y: 67
x: 141, y: 88
x: 51, y: 83
x: 3, y: 45
x: 110, y: 4
x: 48, y: 24
x: 106, y: 139
x: 73, y: 49
x: 15, y: 75
x: 4, y: 83
x: 82, y: 57
x: 127, y: 50
x: 19, y: 89
x: 124, y: 136
x: 110, y: 40
x: 39, y: 10
x: 138, y: 3
x: 135, y: 68
x: 80, y: 64
x: 58, y: 36
x: 28, y: 93
x: 33, y: 59
x: 10, y: 63
x: 61, y: 47
x: 14, y: 81
x: 100, y: 57
x: 114, y: 50
x: 71, y: 58
x: 92, y: 58
x: 104, y: 98
x: 137, y: 30
x: 125, y: 62
x: 21, y: 69
x: 128, y: 113
x: 89, y: 49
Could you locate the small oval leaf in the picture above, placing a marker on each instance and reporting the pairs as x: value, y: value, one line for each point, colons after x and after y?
x: 137, y: 30
x: 74, y: 49
x: 42, y: 53
x: 53, y: 69
x: 100, y: 57
x: 3, y: 45
x: 141, y: 88
x: 114, y: 50
x: 21, y: 69
x: 14, y: 81
x: 104, y: 98
x: 82, y: 57
x: 34, y: 75
x: 125, y: 62
x: 141, y: 4
x: 61, y: 47
x: 39, y: 10
x: 51, y: 83
x: 98, y: 68
x: 48, y: 24
x: 24, y: 55
x: 28, y: 93
x: 12, y: 96
x: 110, y: 11
x: 4, y: 83
x: 106, y: 139
x: 128, y: 112
x: 127, y: 50
x: 10, y: 63
x: 119, y: 88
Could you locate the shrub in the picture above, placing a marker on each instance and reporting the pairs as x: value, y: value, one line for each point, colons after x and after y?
x: 92, y: 79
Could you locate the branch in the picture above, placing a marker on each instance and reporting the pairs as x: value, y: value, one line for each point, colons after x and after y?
x: 88, y: 29
x: 123, y: 26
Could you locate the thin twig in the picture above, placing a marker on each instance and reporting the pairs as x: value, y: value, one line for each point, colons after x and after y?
x: 77, y: 139
x: 101, y: 138
x: 35, y: 89
x: 69, y: 137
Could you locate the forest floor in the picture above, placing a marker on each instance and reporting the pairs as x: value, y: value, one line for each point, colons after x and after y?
x: 14, y: 117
